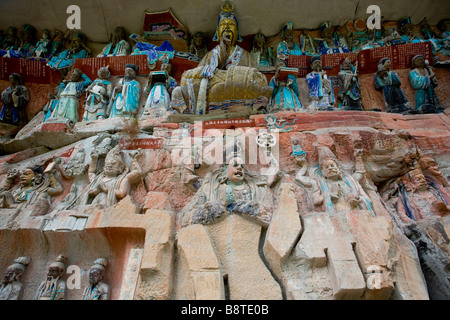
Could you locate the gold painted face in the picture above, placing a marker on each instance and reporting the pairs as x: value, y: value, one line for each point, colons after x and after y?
x: 228, y: 29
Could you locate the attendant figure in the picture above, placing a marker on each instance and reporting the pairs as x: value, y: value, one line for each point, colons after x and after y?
x: 69, y: 93
x: 43, y: 46
x: 320, y: 86
x: 424, y: 80
x: 389, y: 83
x: 328, y: 43
x: 262, y: 55
x: 99, y: 94
x: 11, y: 288
x: 54, y: 287
x: 288, y: 46
x: 198, y: 45
x: 15, y: 99
x: 350, y: 92
x: 66, y: 59
x: 307, y: 44
x: 285, y: 94
x: 119, y: 45
x: 125, y: 96
x: 97, y: 289
x: 11, y: 41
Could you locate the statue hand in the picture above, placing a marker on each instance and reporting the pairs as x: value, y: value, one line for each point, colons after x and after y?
x: 353, y: 200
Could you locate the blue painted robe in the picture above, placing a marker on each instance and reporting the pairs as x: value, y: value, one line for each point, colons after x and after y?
x: 316, y: 89
x: 159, y: 97
x: 283, y: 49
x: 426, y: 99
x: 66, y: 59
x: 126, y: 102
x: 394, y: 98
x: 13, y: 112
x: 285, y: 97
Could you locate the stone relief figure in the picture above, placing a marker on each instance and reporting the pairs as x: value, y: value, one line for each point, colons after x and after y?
x: 118, y: 46
x: 288, y: 46
x: 285, y: 94
x: 307, y: 43
x: 26, y: 44
x: 54, y: 287
x: 100, y: 91
x: 435, y: 178
x: 35, y: 188
x: 43, y: 46
x: 11, y: 40
x: 227, y: 72
x: 66, y: 59
x: 75, y: 169
x: 198, y: 45
x: 423, y: 80
x: 339, y: 191
x: 58, y: 42
x: 321, y: 91
x: 97, y: 289
x: 350, y: 93
x: 160, y: 86
x: 262, y: 55
x: 11, y: 288
x: 69, y: 92
x: 115, y: 180
x: 389, y: 83
x: 125, y: 97
x: 15, y: 99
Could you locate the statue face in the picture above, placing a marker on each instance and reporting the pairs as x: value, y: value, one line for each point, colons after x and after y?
x: 103, y: 73
x: 113, y: 167
x: 419, y: 62
x: 228, y: 29
x: 26, y: 177
x: 167, y: 68
x: 13, y: 80
x: 330, y: 169
x: 54, y: 272
x: 316, y: 65
x: 347, y: 65
x: 95, y: 275
x: 75, y: 77
x: 235, y: 171
x: 419, y: 182
x: 387, y: 64
x: 432, y: 167
x: 10, y: 274
x: 129, y: 73
x: 289, y: 35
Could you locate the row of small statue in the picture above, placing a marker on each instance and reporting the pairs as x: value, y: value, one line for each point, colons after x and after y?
x: 103, y: 101
x: 54, y: 47
x: 54, y: 287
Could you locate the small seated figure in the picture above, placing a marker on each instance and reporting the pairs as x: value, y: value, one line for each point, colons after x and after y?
x: 328, y: 43
x: 53, y: 288
x: 160, y: 86
x: 198, y: 45
x: 118, y: 46
x: 339, y: 191
x: 99, y: 94
x: 15, y: 100
x: 389, y: 83
x: 391, y: 38
x: 288, y: 46
x: 423, y: 80
x: 228, y: 72
x: 97, y: 289
x: 10, y: 42
x: 350, y: 91
x: 407, y: 32
x: 307, y: 44
x: 115, y: 180
x: 57, y: 45
x: 11, y: 288
x: 262, y: 55
x: 69, y: 92
x: 416, y: 199
x: 429, y: 35
x: 125, y: 97
x: 43, y: 46
x: 321, y: 91
x: 285, y: 94
x: 66, y: 58
x: 444, y: 26
x: 26, y: 45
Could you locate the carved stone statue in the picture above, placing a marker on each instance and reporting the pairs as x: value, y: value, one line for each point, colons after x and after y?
x: 74, y: 170
x: 69, y: 93
x: 43, y: 46
x: 11, y: 40
x: 288, y: 46
x: 327, y: 43
x: 198, y: 45
x: 114, y: 182
x: 339, y: 190
x: 11, y: 287
x: 66, y: 58
x: 423, y: 80
x: 97, y: 289
x: 227, y: 72
x: 99, y: 94
x: 118, y: 46
x: 15, y: 99
x: 350, y: 93
x: 389, y: 83
x: 125, y: 98
x: 262, y: 55
x: 160, y: 86
x: 53, y: 288
x: 321, y: 91
x: 285, y: 94
x: 35, y: 188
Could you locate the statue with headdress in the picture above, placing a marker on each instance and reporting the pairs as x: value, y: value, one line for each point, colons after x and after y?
x: 228, y: 72
x: 339, y: 190
x: 288, y: 46
x: 328, y: 41
x: 321, y: 91
x: 99, y: 94
x: 389, y: 83
x: 285, y: 94
x: 197, y: 47
x: 54, y: 287
x: 262, y: 54
x: 350, y: 89
x: 69, y: 92
x: 66, y: 58
x: 11, y: 288
x: 125, y: 97
x: 423, y: 80
x: 97, y: 289
x: 43, y: 46
x: 15, y: 100
x: 118, y: 46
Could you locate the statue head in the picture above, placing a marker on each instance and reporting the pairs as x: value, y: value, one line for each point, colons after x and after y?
x: 15, y: 79
x: 77, y: 41
x: 444, y: 25
x: 328, y: 164
x: 325, y: 30
x: 259, y: 41
x: 120, y: 33
x: 418, y: 61
x: 31, y: 176
x: 385, y: 63
x: 417, y: 179
x: 316, y: 63
x: 104, y: 73
x: 405, y: 26
x: 97, y: 271
x: 227, y: 24
x: 198, y: 39
x: 130, y: 71
x: 347, y: 64
x: 114, y: 164
x: 288, y: 32
x: 46, y: 34
x: 235, y: 170
x: 430, y: 165
x: 15, y: 271
x: 167, y: 67
x: 57, y: 268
